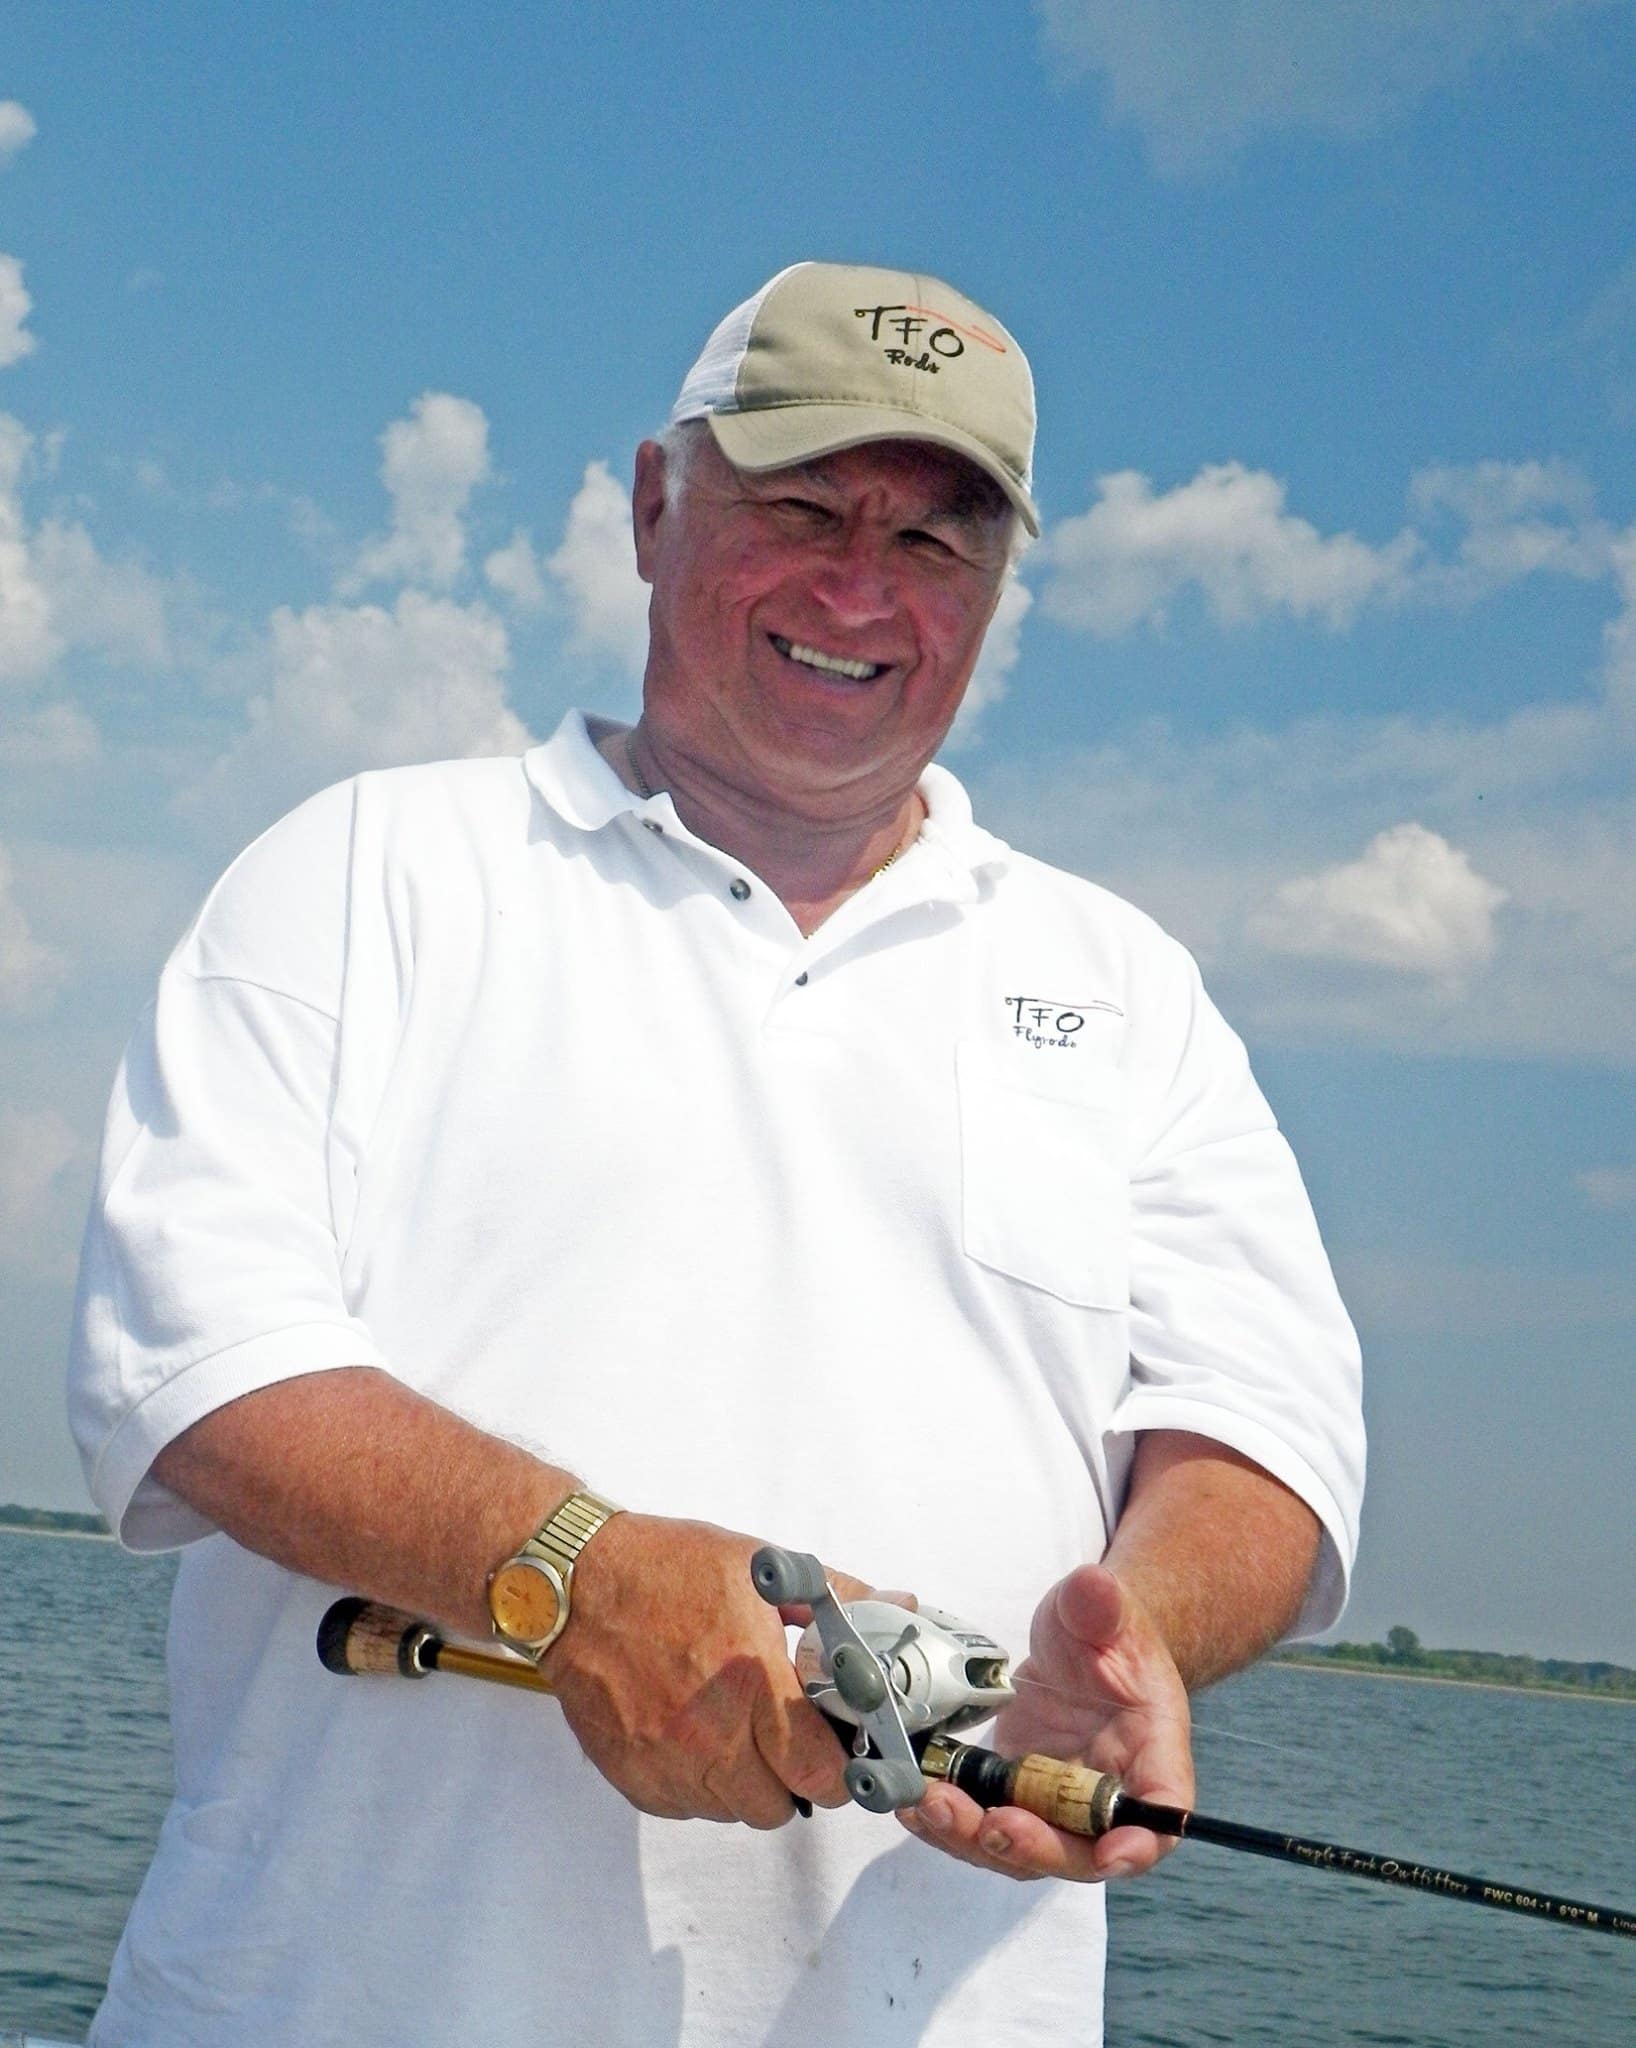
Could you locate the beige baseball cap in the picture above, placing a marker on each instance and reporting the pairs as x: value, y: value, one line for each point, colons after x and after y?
x: 829, y: 355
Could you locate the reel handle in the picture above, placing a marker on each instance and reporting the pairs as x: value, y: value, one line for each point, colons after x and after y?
x: 787, y: 1578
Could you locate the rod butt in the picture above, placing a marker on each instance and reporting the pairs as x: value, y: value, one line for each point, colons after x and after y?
x: 332, y: 1635
x: 360, y: 1638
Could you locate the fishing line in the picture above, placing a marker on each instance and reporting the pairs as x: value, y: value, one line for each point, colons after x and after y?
x: 1305, y: 1754
x: 1367, y: 1813
x: 1295, y: 1752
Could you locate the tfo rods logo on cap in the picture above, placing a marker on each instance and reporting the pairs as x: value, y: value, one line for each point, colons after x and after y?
x: 934, y: 333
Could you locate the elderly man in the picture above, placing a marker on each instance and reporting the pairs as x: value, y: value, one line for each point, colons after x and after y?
x: 707, y: 1117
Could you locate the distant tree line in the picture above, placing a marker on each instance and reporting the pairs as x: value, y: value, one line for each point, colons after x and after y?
x: 1403, y: 1651
x: 14, y: 1517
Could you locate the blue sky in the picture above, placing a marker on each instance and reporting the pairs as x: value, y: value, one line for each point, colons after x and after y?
x: 326, y: 338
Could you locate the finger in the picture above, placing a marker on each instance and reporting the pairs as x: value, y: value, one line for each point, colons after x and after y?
x: 1019, y: 1844
x: 1011, y: 1839
x: 1006, y: 1840
x: 744, y: 1789
x: 799, y: 1747
x: 1127, y: 1852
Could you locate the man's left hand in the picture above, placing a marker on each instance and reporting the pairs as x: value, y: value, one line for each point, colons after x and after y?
x: 1098, y: 1686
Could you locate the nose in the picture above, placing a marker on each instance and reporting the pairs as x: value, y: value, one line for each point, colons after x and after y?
x: 854, y: 582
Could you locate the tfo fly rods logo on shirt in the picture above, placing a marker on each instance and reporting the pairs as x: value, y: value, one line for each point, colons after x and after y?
x: 1041, y: 1021
x: 934, y: 334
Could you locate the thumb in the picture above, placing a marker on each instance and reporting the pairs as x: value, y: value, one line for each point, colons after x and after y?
x: 1089, y: 1606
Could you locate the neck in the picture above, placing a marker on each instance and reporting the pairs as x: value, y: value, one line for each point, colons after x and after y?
x: 813, y: 863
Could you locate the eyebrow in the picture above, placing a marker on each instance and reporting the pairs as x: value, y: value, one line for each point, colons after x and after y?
x: 977, y: 502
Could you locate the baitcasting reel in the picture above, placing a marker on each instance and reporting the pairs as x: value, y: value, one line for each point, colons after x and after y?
x: 895, y: 1677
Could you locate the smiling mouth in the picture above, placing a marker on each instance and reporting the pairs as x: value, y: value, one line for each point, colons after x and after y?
x: 827, y: 664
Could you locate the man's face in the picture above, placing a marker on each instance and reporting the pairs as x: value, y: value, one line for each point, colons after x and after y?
x: 812, y: 630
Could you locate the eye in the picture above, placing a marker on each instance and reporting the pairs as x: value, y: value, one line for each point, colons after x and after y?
x: 925, y: 543
x: 807, y: 510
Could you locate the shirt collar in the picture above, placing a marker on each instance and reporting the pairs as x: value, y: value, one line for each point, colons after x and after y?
x: 574, y: 779
x: 951, y: 831
x: 582, y: 788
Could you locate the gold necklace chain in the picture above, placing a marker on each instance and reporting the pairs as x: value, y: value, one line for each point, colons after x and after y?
x: 642, y: 789
x: 903, y: 844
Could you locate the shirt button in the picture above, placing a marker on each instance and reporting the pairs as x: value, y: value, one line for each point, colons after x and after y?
x: 801, y: 980
x: 653, y: 825
x: 739, y: 888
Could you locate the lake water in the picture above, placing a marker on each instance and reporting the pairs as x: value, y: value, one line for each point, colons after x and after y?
x: 1215, y: 1947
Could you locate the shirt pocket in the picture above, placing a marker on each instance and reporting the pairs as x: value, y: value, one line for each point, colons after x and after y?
x: 1045, y: 1189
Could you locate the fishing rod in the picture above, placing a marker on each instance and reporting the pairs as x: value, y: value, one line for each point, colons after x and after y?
x: 1081, y: 1801
x: 900, y: 1686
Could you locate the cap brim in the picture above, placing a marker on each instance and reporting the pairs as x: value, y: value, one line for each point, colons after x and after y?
x: 779, y: 436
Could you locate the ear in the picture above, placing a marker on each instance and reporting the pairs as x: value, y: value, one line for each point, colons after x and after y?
x: 647, y: 505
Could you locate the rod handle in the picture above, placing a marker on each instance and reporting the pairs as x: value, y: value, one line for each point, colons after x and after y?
x: 364, y: 1639
x: 1072, y: 1797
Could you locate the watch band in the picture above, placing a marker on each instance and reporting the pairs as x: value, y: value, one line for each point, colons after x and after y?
x: 563, y: 1535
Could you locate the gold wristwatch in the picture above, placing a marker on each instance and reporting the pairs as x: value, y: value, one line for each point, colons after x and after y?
x: 528, y: 1594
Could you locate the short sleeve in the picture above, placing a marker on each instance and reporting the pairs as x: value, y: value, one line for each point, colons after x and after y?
x: 1238, y: 1331
x: 211, y: 1265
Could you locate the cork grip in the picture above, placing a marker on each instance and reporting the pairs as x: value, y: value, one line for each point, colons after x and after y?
x: 358, y: 1636
x: 1072, y: 1797
x: 361, y: 1638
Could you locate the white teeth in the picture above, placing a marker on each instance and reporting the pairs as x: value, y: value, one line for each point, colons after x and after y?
x: 831, y: 664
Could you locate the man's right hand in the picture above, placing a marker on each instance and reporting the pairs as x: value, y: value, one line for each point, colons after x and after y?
x: 673, y: 1672
x: 676, y: 1678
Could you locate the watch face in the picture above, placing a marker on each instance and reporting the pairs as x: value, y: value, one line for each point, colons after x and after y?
x: 524, y: 1602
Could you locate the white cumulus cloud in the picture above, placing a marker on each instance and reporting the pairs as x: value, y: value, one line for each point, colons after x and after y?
x: 15, y: 307
x: 1619, y: 638
x: 17, y: 129
x: 52, y: 736
x: 1517, y: 519
x: 1228, y: 534
x: 1411, y: 902
x: 35, y: 1146
x: 117, y: 607
x: 358, y: 686
x: 994, y: 665
x: 1202, y: 830
x: 1201, y: 78
x: 58, y: 591
x: 431, y: 463
x: 29, y: 642
x: 40, y: 1159
x: 29, y: 972
x: 595, y: 570
x: 514, y: 571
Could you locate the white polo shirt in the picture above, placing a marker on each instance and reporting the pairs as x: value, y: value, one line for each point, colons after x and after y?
x: 880, y: 1243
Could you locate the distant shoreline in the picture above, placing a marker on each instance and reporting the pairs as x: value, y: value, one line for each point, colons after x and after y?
x: 1284, y: 1661
x: 1335, y: 1669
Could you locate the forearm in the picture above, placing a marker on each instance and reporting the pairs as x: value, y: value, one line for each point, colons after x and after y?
x: 1217, y: 1551
x: 354, y: 1479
